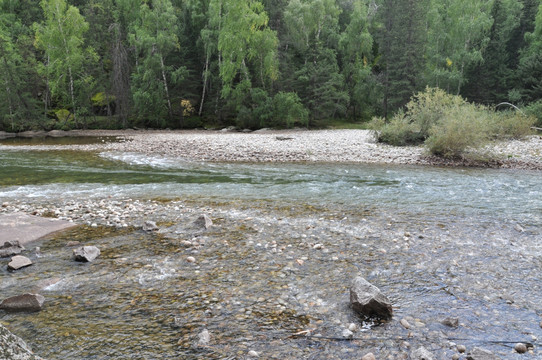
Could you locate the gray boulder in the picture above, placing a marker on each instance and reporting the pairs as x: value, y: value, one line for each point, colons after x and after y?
x: 481, y: 354
x: 25, y: 302
x: 18, y: 262
x: 13, y: 347
x: 86, y: 253
x: 421, y: 353
x: 10, y: 248
x: 367, y: 300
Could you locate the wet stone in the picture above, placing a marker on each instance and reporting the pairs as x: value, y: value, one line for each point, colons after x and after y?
x: 481, y: 354
x: 204, y: 337
x: 11, y: 248
x: 18, y: 262
x: 520, y: 348
x: 25, y: 302
x: 203, y: 221
x: 13, y: 347
x: 367, y: 300
x: 86, y: 253
x: 421, y: 353
x: 451, y: 322
x: 150, y: 226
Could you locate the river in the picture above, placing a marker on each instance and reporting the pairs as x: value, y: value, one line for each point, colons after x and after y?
x: 287, y: 240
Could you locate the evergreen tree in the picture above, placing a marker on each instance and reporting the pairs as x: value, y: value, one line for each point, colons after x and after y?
x: 310, y: 66
x: 402, y: 44
x: 18, y: 95
x: 356, y: 45
x: 490, y: 80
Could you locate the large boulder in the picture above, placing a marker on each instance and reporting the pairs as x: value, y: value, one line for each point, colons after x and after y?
x: 13, y: 347
x: 10, y: 248
x: 18, y: 262
x: 86, y: 253
x: 367, y: 300
x: 25, y: 302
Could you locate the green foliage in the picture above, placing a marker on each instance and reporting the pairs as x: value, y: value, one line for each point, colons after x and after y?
x: 288, y: 111
x: 400, y: 131
x: 535, y: 110
x: 510, y: 125
x: 461, y: 128
x: 284, y: 110
x: 449, y: 125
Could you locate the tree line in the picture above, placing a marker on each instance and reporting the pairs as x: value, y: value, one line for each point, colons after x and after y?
x: 258, y: 63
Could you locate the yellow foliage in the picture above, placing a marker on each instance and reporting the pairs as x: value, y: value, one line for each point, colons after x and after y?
x: 188, y: 108
x: 449, y: 62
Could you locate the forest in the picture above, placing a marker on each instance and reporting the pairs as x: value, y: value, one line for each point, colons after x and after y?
x: 258, y: 63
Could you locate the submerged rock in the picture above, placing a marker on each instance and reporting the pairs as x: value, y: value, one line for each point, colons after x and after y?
x: 25, y: 302
x: 10, y: 248
x: 86, y: 253
x: 150, y: 226
x: 451, y: 322
x: 13, y: 347
x: 204, y: 337
x: 481, y: 354
x: 367, y: 300
x: 18, y: 262
x: 203, y: 221
x: 421, y: 353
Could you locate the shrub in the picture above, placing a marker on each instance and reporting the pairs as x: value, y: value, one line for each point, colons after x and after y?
x: 288, y: 111
x: 461, y: 128
x: 511, y: 125
x: 400, y: 131
x: 535, y: 109
x: 427, y: 108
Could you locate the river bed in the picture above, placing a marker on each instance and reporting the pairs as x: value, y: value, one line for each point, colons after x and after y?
x: 272, y: 274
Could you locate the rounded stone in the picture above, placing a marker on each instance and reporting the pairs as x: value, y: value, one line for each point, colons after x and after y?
x: 191, y: 259
x: 253, y: 353
x: 369, y: 356
x: 521, y: 348
x: 461, y: 348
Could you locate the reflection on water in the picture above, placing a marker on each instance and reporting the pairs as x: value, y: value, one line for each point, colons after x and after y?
x: 439, y: 242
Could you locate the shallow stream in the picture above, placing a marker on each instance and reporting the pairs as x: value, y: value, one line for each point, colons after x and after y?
x: 276, y: 266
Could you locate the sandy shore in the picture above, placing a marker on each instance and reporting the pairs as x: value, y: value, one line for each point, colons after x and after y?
x: 353, y: 146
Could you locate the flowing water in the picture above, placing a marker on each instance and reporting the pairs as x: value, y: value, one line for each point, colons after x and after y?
x: 277, y: 264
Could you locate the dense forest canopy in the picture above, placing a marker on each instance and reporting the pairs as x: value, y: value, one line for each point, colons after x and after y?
x: 183, y: 63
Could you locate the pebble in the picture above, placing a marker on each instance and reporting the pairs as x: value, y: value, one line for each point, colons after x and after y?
x: 369, y: 356
x: 191, y: 259
x: 352, y: 327
x: 461, y: 348
x: 405, y: 324
x: 521, y: 348
x: 253, y: 353
x: 347, y: 334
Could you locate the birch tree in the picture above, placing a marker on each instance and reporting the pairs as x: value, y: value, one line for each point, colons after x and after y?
x: 61, y: 37
x: 155, y: 38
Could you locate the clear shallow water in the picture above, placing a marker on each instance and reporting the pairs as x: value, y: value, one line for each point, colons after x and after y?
x: 438, y: 242
x: 505, y: 194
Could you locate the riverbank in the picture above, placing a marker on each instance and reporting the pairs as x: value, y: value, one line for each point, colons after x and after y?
x: 349, y: 146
